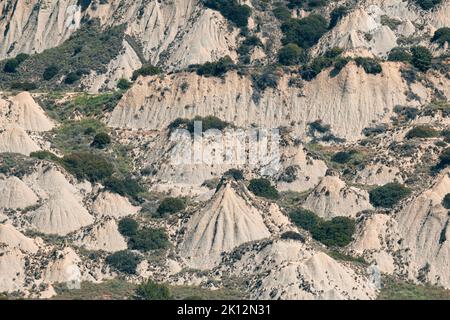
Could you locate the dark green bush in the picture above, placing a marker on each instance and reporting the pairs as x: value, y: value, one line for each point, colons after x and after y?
x: 11, y: 65
x: 319, y: 126
x: 101, y: 140
x: 236, y: 174
x: 23, y: 86
x: 281, y: 13
x: 123, y: 84
x: 446, y: 201
x: 292, y: 235
x: 389, y: 195
x: 305, y: 219
x: 444, y: 159
x: 267, y: 79
x: 44, y: 155
x: 21, y: 57
x: 343, y: 156
x: 446, y: 135
x: 231, y: 10
x: 399, y: 54
x: 146, y: 70
x: 369, y: 65
x: 291, y: 54
x: 304, y: 32
x: 427, y: 4
x: 171, y: 205
x: 216, y: 69
x: 208, y: 122
x: 86, y: 165
x: 441, y: 36
x: 337, y: 15
x: 149, y: 239
x: 128, y: 227
x: 124, y: 261
x: 125, y: 187
x: 336, y: 232
x: 150, y: 290
x: 421, y: 58
x: 263, y: 188
x: 422, y: 131
x: 50, y: 72
x: 72, y: 77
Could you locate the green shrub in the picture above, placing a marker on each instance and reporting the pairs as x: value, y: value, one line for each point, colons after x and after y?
x: 128, y: 227
x: 86, y: 165
x: 231, y: 10
x: 337, y: 15
x: 149, y: 239
x: 208, y: 122
x: 263, y: 188
x: 236, y: 174
x: 21, y: 57
x: 444, y: 159
x: 389, y: 195
x: 150, y: 290
x: 71, y: 78
x: 267, y: 79
x: 11, y: 65
x: 305, y: 219
x: 146, y: 70
x: 281, y: 13
x: 343, y: 156
x: 101, y: 140
x: 369, y: 65
x: 446, y: 135
x: 421, y: 58
x: 171, y: 205
x: 446, y: 201
x: 427, y: 4
x: 123, y: 261
x: 125, y: 187
x: 123, y: 84
x: 44, y: 155
x: 216, y: 69
x: 291, y: 54
x: 336, y: 232
x: 50, y: 72
x: 23, y: 86
x: 441, y: 36
x: 423, y: 131
x: 304, y: 32
x: 399, y: 54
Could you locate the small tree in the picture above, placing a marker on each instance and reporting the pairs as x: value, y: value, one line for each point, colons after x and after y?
x: 389, y: 195
x: 150, y: 290
x: 146, y: 70
x: 149, y: 239
x: 421, y: 58
x: 128, y: 227
x: 171, y: 205
x: 422, y: 132
x: 263, y: 188
x: 291, y: 54
x: 441, y: 36
x: 444, y: 159
x: 50, y: 72
x: 446, y: 201
x: 305, y: 219
x: 123, y: 261
x: 236, y: 174
x: 369, y: 65
x: 101, y: 140
x: 11, y: 66
x: 399, y: 54
x: 123, y: 84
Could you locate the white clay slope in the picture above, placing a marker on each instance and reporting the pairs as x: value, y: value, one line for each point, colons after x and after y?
x: 15, y: 239
x: 61, y: 214
x: 332, y: 198
x: 15, y: 140
x: 113, y: 205
x: 15, y: 194
x: 227, y: 221
x: 11, y: 270
x: 287, y: 269
x: 24, y: 112
x: 102, y: 236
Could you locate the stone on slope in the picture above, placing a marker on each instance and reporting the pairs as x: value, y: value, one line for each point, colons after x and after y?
x: 61, y: 214
x: 15, y: 194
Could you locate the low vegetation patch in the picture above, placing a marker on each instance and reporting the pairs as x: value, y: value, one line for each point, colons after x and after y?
x: 369, y: 65
x: 145, y: 70
x: 304, y: 32
x: 215, y: 69
x: 441, y: 36
x: 149, y: 239
x: 335, y: 232
x: 150, y: 290
x: 389, y: 195
x: 208, y: 122
x: 128, y: 227
x: 231, y: 10
x: 124, y: 261
x: 421, y: 58
x: 171, y: 205
x: 263, y: 188
x: 423, y: 131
